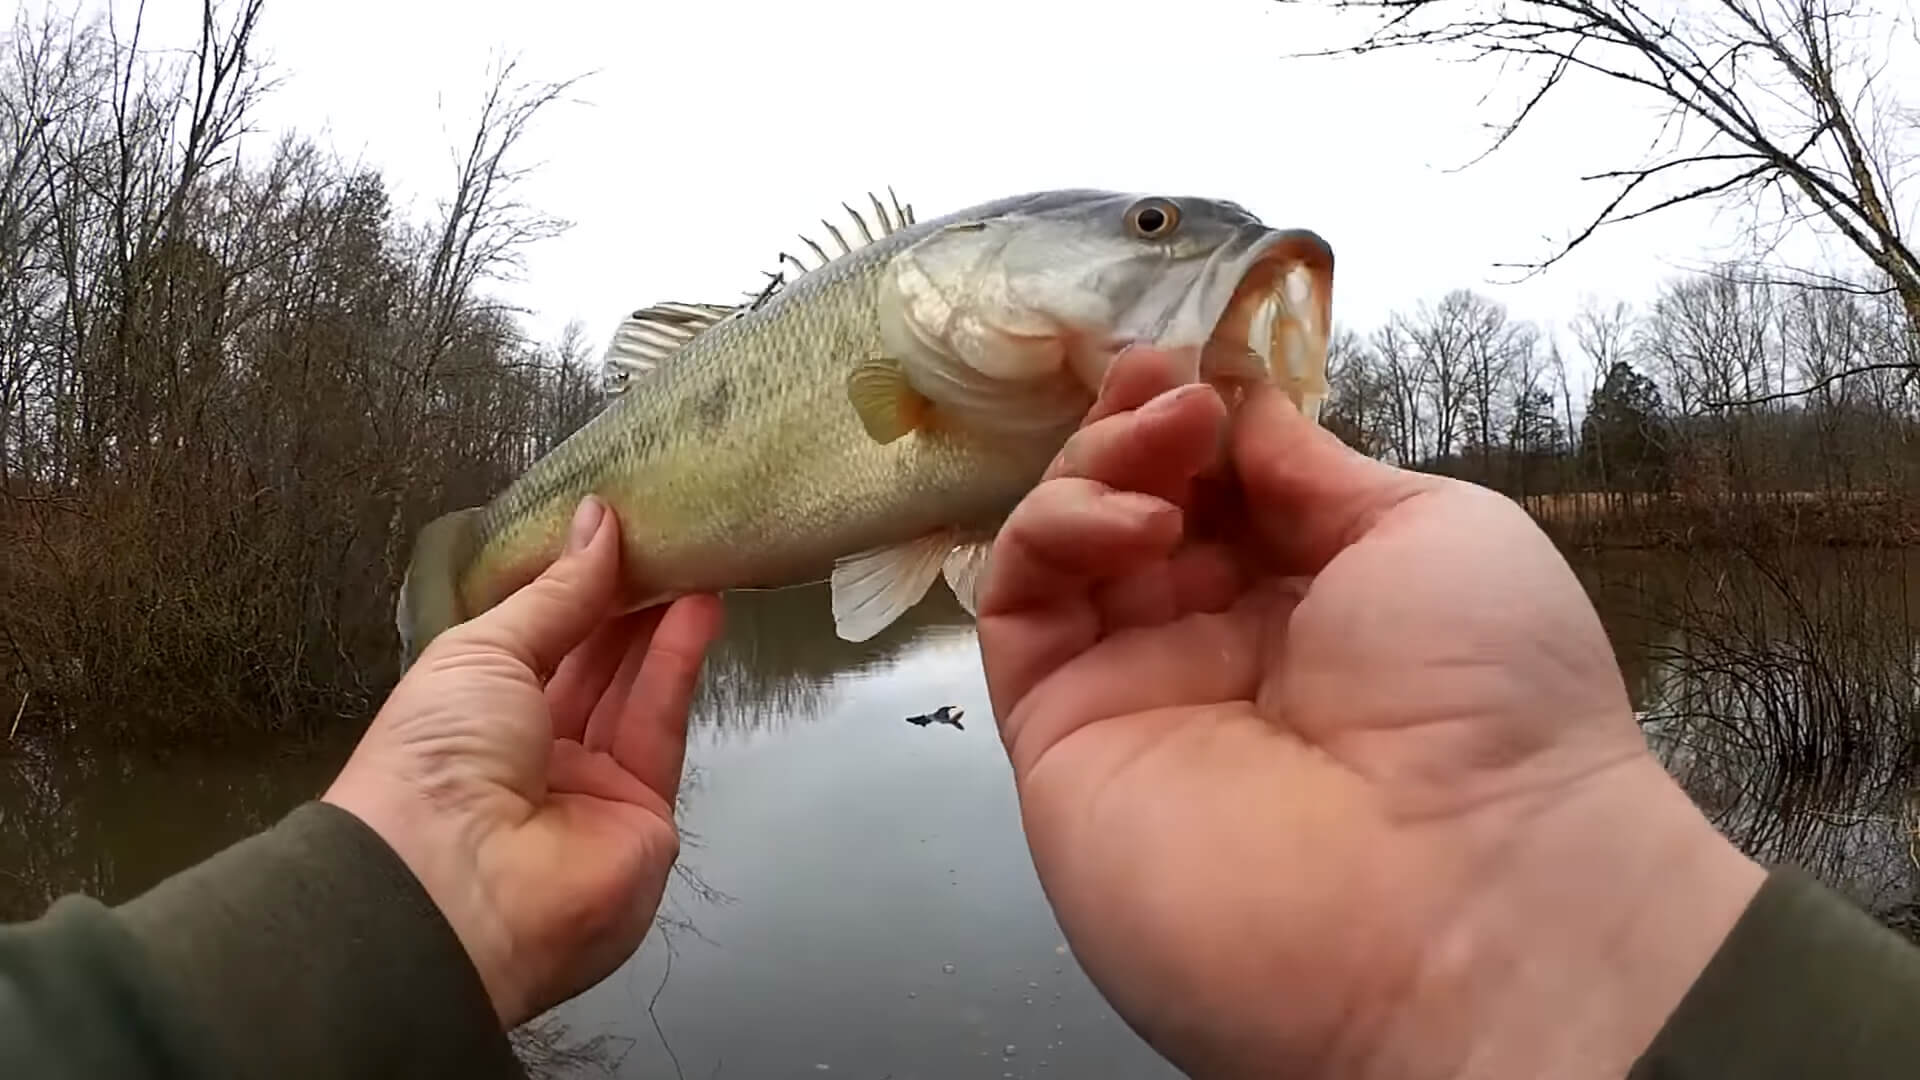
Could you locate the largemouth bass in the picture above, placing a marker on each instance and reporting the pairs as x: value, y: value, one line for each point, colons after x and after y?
x: 872, y: 418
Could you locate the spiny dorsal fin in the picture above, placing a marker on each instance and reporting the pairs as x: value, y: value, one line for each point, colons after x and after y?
x: 646, y: 338
x: 792, y: 267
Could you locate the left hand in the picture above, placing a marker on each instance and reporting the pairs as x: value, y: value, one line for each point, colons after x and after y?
x: 526, y: 767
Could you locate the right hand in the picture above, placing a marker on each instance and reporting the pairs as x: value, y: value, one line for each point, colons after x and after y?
x: 1339, y: 776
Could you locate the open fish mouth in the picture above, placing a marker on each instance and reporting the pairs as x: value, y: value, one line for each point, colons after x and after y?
x: 1275, y: 324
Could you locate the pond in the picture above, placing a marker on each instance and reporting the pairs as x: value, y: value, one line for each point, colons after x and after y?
x: 856, y: 897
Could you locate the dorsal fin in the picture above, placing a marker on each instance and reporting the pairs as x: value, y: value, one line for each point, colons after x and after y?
x: 793, y: 267
x: 646, y: 338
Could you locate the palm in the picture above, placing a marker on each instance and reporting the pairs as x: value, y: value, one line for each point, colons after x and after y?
x: 1166, y: 811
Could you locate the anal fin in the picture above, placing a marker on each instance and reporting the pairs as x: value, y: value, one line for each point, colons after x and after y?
x: 873, y: 588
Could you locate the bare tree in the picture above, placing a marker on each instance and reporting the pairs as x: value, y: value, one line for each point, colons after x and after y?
x: 1443, y: 338
x: 1783, y: 99
x: 1563, y: 384
x: 1351, y: 388
x: 229, y: 391
x: 1604, y: 333
x: 1534, y: 434
x: 1496, y: 351
x: 1711, y: 338
x: 1404, y: 379
x: 484, y: 224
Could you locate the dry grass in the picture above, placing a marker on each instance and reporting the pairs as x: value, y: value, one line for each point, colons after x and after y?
x: 1861, y: 518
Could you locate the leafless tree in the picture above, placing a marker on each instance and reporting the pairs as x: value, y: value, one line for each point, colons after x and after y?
x: 230, y: 391
x: 1497, y: 352
x: 1786, y: 101
x: 1404, y: 377
x: 1361, y: 403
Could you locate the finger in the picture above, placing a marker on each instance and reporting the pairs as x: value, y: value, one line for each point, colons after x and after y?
x: 603, y: 717
x: 1205, y: 578
x: 1309, y: 495
x: 1218, y: 659
x: 573, y: 771
x: 1157, y: 448
x: 589, y: 673
x: 1160, y: 446
x: 1070, y: 532
x: 1138, y: 375
x: 582, y: 678
x: 647, y: 733
x: 1035, y: 611
x: 542, y: 622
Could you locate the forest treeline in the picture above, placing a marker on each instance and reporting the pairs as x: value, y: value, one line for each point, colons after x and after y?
x: 235, y: 380
x: 1733, y: 404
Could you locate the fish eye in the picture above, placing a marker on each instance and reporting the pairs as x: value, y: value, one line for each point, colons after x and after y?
x: 1153, y: 219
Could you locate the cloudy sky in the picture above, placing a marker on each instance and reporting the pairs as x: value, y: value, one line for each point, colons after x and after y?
x: 708, y: 133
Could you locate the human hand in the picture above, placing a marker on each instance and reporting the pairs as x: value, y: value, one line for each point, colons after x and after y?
x: 1327, y: 767
x: 526, y: 767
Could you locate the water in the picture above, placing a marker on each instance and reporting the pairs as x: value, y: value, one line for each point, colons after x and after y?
x: 1782, y: 687
x: 882, y: 915
x: 858, y: 899
x: 857, y: 891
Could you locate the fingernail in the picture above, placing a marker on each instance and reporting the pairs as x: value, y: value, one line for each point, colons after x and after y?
x: 1164, y: 405
x: 586, y: 522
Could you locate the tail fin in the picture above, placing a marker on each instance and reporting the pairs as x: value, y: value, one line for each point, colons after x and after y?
x: 429, y: 601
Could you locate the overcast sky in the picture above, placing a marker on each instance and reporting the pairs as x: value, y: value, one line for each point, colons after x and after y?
x: 711, y: 132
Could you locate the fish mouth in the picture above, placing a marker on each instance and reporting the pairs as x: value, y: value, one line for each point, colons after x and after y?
x: 1275, y: 320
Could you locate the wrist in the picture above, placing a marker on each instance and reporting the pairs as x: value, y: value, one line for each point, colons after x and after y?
x: 443, y: 859
x: 1599, y: 911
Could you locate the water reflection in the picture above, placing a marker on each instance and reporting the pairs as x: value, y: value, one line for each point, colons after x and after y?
x: 779, y: 660
x: 111, y: 820
x: 856, y: 892
x: 1779, y: 687
x: 881, y: 914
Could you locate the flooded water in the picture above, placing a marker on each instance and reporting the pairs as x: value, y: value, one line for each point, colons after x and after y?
x: 857, y: 898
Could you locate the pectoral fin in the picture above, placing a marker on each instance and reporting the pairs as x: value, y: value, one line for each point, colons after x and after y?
x: 873, y: 588
x: 887, y: 405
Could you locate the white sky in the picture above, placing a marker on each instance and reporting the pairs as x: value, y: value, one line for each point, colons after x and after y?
x: 712, y: 131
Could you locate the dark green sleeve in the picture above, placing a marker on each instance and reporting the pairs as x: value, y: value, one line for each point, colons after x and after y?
x: 1806, y: 984
x: 306, y: 951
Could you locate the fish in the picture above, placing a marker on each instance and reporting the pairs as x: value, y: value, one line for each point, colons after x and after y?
x: 869, y: 417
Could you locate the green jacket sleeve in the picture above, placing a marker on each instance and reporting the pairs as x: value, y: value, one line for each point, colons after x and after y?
x: 307, y: 951
x: 1806, y: 984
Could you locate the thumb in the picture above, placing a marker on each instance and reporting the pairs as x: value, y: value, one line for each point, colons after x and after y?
x: 1309, y: 495
x: 549, y: 618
